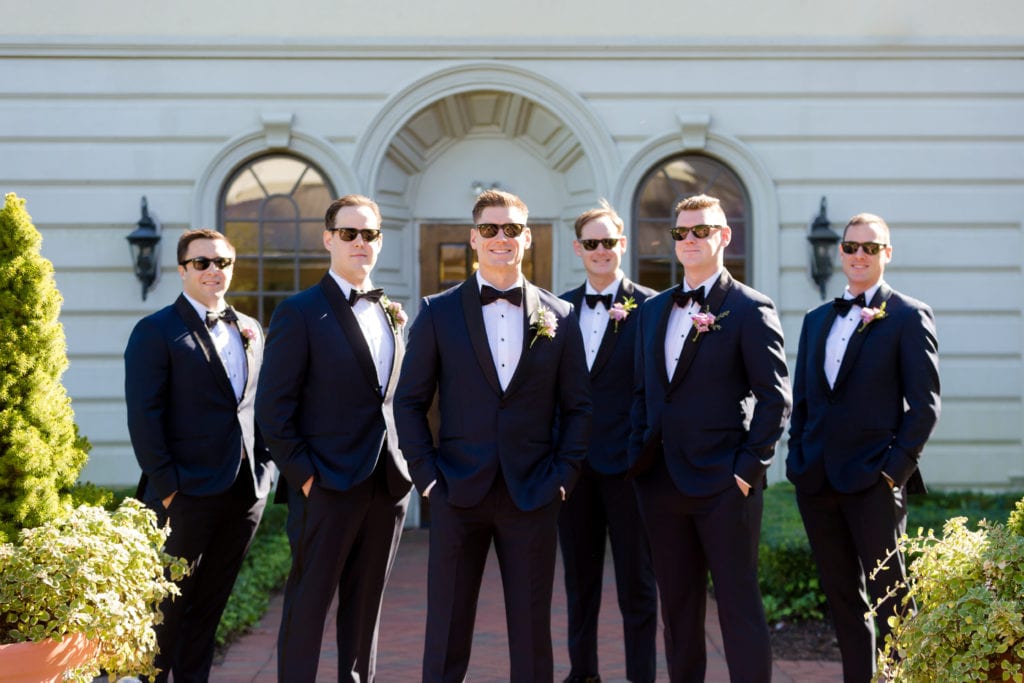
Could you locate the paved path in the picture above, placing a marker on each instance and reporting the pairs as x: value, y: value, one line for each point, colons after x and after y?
x: 400, y: 651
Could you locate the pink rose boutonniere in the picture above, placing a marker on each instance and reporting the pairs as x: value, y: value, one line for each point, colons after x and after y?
x: 248, y: 334
x: 620, y: 311
x: 706, y: 322
x: 869, y: 315
x: 544, y: 324
x: 396, y: 316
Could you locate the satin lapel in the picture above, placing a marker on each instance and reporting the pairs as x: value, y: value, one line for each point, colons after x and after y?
x: 531, y: 304
x: 247, y: 323
x: 473, y: 312
x: 396, y: 363
x: 659, y: 337
x: 713, y: 303
x: 197, y: 327
x: 611, y: 334
x: 819, y: 348
x: 350, y: 328
x: 857, y: 340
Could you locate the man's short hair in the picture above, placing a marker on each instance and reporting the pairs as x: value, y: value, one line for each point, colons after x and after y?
x: 350, y: 200
x: 603, y: 210
x: 864, y: 219
x: 190, y: 236
x: 497, y: 198
x: 700, y: 202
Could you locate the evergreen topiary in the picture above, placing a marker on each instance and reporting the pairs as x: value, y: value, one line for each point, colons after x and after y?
x: 41, y: 452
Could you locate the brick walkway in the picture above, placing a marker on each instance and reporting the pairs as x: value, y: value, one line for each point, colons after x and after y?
x: 252, y: 659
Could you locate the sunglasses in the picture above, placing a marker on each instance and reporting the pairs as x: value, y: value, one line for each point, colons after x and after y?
x: 699, y: 231
x: 606, y: 242
x: 870, y: 248
x: 349, y: 234
x: 202, y: 263
x: 489, y: 230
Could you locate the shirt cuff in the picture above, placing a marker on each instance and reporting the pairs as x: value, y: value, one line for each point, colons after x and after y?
x: 430, y: 486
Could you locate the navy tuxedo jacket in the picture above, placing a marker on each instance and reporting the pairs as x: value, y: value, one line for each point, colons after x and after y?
x: 484, y: 429
x: 187, y: 428
x: 611, y: 381
x: 319, y: 404
x: 884, y: 405
x: 725, y: 406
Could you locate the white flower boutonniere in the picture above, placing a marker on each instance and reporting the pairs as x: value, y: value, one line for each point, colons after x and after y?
x: 396, y: 316
x: 544, y: 324
x: 869, y: 315
x: 248, y: 334
x: 706, y: 322
x: 620, y: 311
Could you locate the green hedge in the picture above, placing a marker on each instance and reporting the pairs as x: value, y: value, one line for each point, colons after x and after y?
x: 789, y: 578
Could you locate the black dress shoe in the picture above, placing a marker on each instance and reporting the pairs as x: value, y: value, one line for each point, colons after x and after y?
x: 583, y: 679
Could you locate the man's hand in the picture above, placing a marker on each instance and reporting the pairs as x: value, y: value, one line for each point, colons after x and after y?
x: 307, y: 486
x: 744, y: 486
x: 168, y: 499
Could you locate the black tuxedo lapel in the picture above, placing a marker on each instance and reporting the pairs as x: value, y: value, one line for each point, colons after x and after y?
x: 474, y: 314
x: 611, y: 333
x: 819, y: 348
x: 531, y: 305
x: 715, y: 299
x: 659, y: 340
x: 350, y: 328
x: 859, y: 335
x: 197, y: 327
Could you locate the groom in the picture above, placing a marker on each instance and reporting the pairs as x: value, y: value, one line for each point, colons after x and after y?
x: 503, y: 357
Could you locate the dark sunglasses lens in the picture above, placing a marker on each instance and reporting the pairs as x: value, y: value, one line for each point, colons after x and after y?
x: 223, y: 262
x: 701, y: 231
x: 201, y: 262
x: 487, y: 230
x: 589, y: 245
x: 512, y: 229
x: 346, y: 234
x: 871, y: 248
x: 679, y: 234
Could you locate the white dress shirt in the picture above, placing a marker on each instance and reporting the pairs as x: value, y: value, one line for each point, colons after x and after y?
x: 680, y: 323
x: 373, y: 322
x: 839, y: 336
x: 594, y: 321
x: 227, y: 340
x: 504, y: 325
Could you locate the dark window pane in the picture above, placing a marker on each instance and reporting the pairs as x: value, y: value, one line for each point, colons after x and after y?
x: 272, y: 209
x: 660, y: 190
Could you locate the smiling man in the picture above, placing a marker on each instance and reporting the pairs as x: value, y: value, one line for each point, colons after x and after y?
x: 325, y: 406
x: 711, y: 398
x: 503, y: 356
x: 190, y: 377
x: 603, y: 506
x: 865, y: 402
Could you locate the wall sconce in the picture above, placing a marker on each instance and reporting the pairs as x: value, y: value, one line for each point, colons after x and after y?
x: 144, y: 244
x: 479, y: 187
x: 823, y: 246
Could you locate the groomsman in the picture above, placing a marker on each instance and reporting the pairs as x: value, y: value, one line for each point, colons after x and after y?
x: 325, y: 406
x: 603, y: 505
x: 712, y: 396
x: 503, y: 357
x: 190, y: 377
x: 866, y: 399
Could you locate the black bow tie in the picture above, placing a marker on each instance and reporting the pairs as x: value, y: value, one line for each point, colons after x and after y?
x: 373, y: 296
x: 227, y: 315
x: 594, y: 299
x: 488, y: 295
x: 683, y: 299
x: 843, y: 306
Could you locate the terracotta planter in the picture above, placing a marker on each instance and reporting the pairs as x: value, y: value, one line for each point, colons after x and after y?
x: 44, y: 662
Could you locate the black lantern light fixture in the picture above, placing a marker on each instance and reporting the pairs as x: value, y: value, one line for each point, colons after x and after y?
x: 823, y: 247
x: 144, y: 244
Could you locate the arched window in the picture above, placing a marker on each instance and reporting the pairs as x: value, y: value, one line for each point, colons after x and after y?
x: 272, y: 210
x: 653, y: 215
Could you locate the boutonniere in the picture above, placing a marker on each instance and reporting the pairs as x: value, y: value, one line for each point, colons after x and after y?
x: 248, y: 334
x: 869, y: 315
x: 706, y: 322
x: 544, y: 324
x: 620, y: 311
x: 396, y: 316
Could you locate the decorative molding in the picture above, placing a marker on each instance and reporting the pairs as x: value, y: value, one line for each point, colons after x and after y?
x: 277, y: 129
x: 694, y: 128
